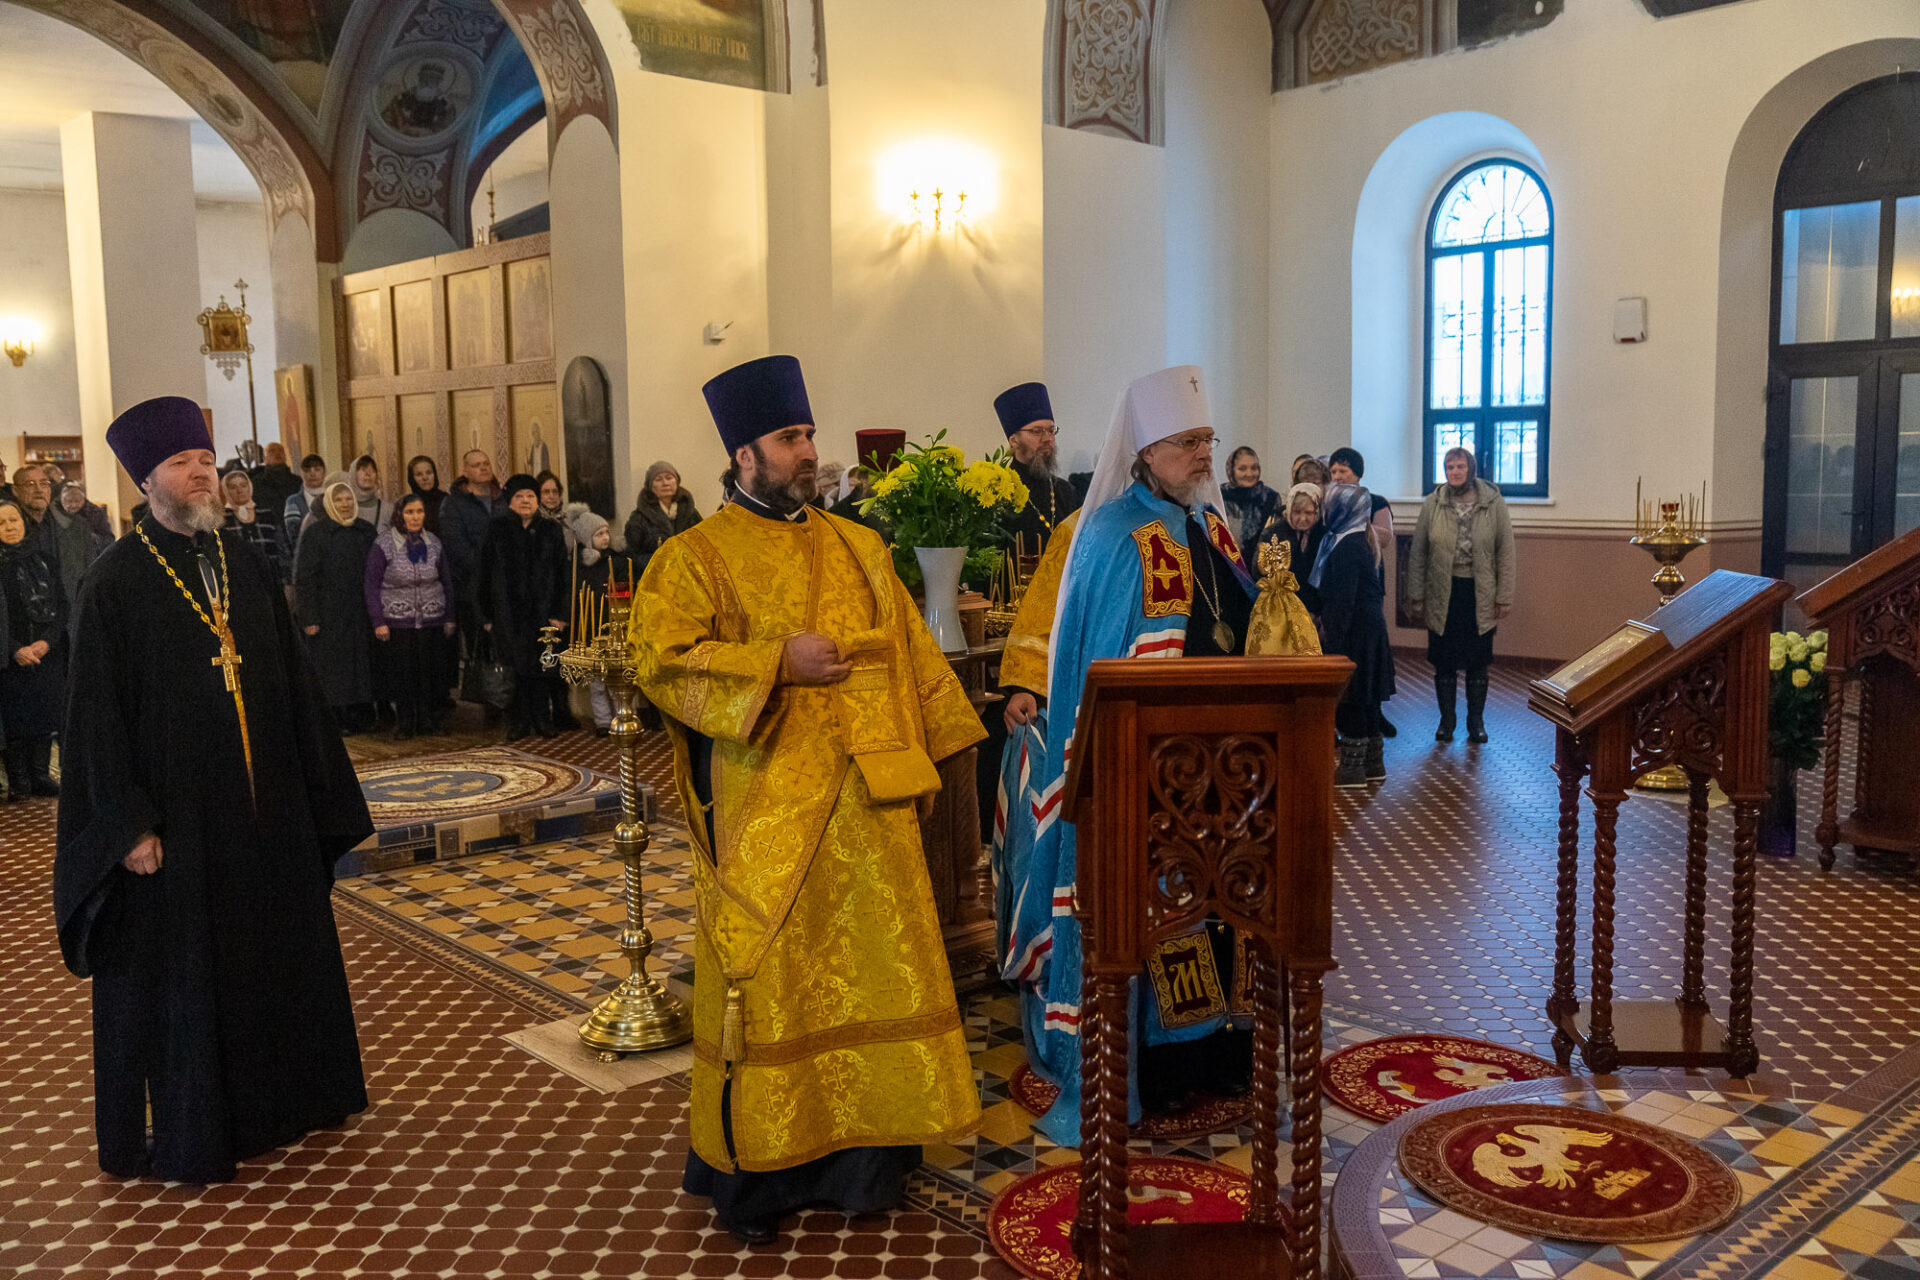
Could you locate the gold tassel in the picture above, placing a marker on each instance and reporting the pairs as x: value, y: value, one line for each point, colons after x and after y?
x: 733, y: 1028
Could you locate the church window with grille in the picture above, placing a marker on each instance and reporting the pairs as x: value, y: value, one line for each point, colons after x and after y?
x: 1489, y: 326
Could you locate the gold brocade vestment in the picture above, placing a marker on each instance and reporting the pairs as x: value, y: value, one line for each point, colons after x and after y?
x: 814, y: 903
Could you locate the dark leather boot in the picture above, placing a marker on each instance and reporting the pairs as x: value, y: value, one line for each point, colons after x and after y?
x: 1444, y: 687
x: 1376, y: 765
x: 1477, y: 705
x: 1352, y: 769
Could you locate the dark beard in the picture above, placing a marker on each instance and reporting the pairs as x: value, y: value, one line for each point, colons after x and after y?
x: 781, y: 494
x: 1043, y: 464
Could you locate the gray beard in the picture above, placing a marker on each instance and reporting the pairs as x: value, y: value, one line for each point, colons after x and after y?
x: 1044, y: 463
x: 202, y: 516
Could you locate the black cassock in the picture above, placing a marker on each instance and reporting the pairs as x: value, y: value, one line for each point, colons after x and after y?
x: 218, y: 988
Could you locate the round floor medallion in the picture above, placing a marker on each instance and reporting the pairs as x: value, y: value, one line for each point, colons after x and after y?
x: 1031, y: 1222
x: 1206, y: 1115
x: 1568, y: 1172
x: 1381, y: 1079
x: 463, y: 784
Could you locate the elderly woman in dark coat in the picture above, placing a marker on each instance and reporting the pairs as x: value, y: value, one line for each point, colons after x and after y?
x: 523, y: 588
x: 1345, y: 591
x: 33, y: 682
x: 329, y: 588
x: 663, y: 510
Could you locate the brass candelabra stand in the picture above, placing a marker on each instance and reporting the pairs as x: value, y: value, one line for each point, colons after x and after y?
x: 640, y: 1014
x: 1668, y: 536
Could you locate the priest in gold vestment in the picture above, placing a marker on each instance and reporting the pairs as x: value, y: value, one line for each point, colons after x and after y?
x: 807, y: 704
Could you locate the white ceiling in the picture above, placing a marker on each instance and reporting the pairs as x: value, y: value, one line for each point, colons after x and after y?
x: 51, y: 72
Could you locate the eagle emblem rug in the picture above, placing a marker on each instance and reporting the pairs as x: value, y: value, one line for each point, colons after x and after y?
x: 1031, y: 1222
x: 1205, y: 1116
x: 1380, y: 1079
x: 1568, y: 1173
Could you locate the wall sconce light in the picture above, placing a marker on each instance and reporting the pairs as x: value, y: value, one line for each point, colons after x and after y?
x: 17, y: 339
x: 937, y: 184
x: 1906, y: 303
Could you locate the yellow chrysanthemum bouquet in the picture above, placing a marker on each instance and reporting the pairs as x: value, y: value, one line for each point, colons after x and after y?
x: 934, y: 497
x: 1798, y: 710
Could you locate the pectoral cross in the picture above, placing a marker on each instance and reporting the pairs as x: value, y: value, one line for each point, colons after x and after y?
x: 229, y: 659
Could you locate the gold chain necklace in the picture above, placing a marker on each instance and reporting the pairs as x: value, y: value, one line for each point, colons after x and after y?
x: 1222, y: 633
x: 229, y: 655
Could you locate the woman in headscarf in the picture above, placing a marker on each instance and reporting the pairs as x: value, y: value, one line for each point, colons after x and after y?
x: 663, y: 510
x: 375, y: 509
x: 1461, y: 579
x: 1346, y: 593
x: 1250, y: 504
x: 1296, y: 522
x: 330, y: 601
x: 523, y: 588
x: 597, y: 565
x: 409, y: 590
x: 423, y: 480
x: 33, y: 681
x: 553, y: 496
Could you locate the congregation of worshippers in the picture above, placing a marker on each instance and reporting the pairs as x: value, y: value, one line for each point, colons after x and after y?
x: 807, y: 712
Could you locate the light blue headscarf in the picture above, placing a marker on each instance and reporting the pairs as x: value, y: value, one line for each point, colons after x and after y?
x: 1345, y: 509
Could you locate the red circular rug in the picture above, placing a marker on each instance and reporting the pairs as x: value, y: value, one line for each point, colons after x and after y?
x: 1031, y: 1222
x: 1568, y: 1172
x: 1205, y: 1116
x: 1381, y: 1079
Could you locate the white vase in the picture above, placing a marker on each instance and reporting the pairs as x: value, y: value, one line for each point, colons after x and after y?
x: 940, y: 568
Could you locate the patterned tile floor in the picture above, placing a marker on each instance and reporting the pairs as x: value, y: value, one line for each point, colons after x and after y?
x: 477, y: 1159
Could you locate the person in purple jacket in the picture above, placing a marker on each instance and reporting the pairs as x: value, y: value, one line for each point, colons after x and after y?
x: 410, y: 602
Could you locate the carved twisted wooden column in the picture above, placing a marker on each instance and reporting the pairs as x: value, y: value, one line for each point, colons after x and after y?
x: 1570, y: 764
x: 1742, y: 1054
x: 1693, y: 992
x: 1269, y: 1005
x: 1110, y: 1108
x: 1828, y: 832
x: 1305, y: 1083
x: 1602, y: 1055
x: 1863, y: 739
x: 1086, y: 1220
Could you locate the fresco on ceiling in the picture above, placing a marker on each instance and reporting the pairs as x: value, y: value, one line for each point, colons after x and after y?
x: 297, y: 36
x: 724, y: 41
x: 1478, y: 21
x: 422, y: 97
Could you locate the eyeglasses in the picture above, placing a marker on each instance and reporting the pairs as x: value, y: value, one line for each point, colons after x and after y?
x: 1193, y: 443
x: 1045, y: 433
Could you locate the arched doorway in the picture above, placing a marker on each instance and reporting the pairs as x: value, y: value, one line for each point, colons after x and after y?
x: 1843, y: 388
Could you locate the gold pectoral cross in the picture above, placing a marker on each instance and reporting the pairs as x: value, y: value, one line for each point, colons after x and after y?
x: 229, y: 659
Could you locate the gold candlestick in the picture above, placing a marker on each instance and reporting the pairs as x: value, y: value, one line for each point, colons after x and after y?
x: 640, y: 1014
x: 1668, y: 531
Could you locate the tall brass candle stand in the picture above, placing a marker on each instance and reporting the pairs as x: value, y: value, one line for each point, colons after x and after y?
x: 640, y: 1014
x: 1668, y: 539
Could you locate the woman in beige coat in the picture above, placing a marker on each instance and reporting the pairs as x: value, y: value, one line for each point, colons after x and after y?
x: 1460, y: 577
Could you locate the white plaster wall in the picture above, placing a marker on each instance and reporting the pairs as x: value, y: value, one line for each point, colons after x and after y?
x: 43, y: 395
x: 303, y: 326
x: 1218, y: 82
x: 928, y: 327
x: 693, y: 208
x: 1106, y: 279
x: 1636, y: 120
x: 589, y: 282
x: 233, y: 246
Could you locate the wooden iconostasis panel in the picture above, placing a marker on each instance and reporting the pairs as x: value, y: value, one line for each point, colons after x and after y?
x: 448, y: 354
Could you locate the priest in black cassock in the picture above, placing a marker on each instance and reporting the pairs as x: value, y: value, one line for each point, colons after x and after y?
x: 1026, y: 415
x: 206, y: 796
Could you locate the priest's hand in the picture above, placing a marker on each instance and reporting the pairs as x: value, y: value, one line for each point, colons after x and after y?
x: 24, y: 656
x: 383, y: 633
x: 144, y: 860
x: 814, y: 659
x: 313, y: 631
x: 1022, y: 707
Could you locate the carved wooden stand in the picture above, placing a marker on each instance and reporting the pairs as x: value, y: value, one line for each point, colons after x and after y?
x: 1870, y: 611
x: 1204, y: 788
x: 1689, y: 689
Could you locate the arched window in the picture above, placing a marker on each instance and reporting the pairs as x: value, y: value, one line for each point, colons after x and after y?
x: 1489, y: 325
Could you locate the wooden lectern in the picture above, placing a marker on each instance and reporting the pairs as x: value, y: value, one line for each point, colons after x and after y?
x: 1870, y: 611
x: 1202, y: 788
x: 1687, y: 686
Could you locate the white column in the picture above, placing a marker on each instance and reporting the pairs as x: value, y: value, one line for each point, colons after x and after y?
x: 135, y: 261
